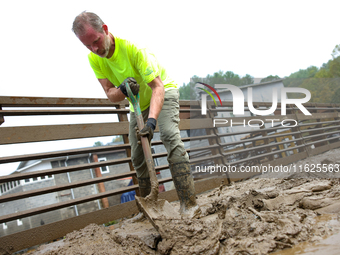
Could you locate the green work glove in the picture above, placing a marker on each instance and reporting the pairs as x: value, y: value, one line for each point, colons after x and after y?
x: 134, y: 86
x: 148, y: 129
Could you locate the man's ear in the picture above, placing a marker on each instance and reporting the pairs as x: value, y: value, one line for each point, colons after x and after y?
x: 106, y: 29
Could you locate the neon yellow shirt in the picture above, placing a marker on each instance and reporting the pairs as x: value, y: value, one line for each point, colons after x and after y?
x: 128, y: 60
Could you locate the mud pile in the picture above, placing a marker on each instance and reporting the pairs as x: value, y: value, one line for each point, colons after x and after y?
x: 256, y: 216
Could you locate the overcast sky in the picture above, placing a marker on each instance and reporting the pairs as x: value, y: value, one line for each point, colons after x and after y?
x: 42, y: 57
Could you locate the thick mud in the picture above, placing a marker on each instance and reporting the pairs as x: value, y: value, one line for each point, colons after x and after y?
x: 257, y: 216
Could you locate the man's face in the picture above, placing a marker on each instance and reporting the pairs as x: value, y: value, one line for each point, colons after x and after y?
x: 98, y: 43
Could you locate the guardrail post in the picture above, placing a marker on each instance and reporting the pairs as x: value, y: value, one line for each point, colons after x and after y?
x: 2, y: 120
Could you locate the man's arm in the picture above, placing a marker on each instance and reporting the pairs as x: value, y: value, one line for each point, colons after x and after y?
x: 157, y: 98
x: 156, y: 104
x: 112, y: 93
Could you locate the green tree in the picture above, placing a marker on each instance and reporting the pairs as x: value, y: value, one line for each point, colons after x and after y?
x: 247, y: 80
x: 186, y: 92
x: 216, y: 78
x: 334, y: 67
x: 297, y: 78
x: 336, y: 51
x: 270, y: 78
x: 228, y: 77
x: 336, y: 96
x: 323, y: 73
x: 231, y: 78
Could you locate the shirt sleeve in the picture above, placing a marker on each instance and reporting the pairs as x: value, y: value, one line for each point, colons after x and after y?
x: 147, y: 65
x: 96, y: 68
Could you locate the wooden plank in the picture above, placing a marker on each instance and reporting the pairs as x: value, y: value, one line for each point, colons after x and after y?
x: 318, y: 150
x: 263, y: 155
x: 267, y: 145
x: 53, y: 154
x: 318, y: 129
x: 207, y: 158
x: 53, y: 101
x: 329, y: 133
x: 322, y: 122
x: 8, y: 101
x: 210, y: 147
x: 13, y: 135
x: 195, y: 123
x: 323, y: 149
x: 317, y: 116
x: 334, y: 145
x: 323, y: 140
x: 61, y: 112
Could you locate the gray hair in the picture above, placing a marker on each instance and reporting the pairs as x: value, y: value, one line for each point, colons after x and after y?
x: 87, y: 18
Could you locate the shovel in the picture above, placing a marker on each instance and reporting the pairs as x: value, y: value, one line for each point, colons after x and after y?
x: 154, y: 209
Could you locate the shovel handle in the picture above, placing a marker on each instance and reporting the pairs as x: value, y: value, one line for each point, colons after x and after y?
x: 145, y: 144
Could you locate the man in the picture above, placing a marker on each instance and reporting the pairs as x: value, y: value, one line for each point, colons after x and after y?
x: 113, y: 60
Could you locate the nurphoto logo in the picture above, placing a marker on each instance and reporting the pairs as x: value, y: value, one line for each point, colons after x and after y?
x: 238, y: 101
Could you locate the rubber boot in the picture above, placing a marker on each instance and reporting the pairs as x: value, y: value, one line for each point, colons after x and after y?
x: 144, y: 190
x: 184, y: 184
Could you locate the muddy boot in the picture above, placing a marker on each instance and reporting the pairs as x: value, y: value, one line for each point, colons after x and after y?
x: 184, y: 184
x: 144, y: 190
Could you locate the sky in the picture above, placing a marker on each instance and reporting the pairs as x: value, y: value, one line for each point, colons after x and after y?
x: 43, y: 58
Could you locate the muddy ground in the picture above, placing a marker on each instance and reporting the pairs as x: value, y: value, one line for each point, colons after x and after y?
x: 258, y: 216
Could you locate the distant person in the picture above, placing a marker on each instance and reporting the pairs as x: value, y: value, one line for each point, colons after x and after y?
x: 113, y: 60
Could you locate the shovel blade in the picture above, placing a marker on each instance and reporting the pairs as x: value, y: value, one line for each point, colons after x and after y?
x: 157, y: 211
